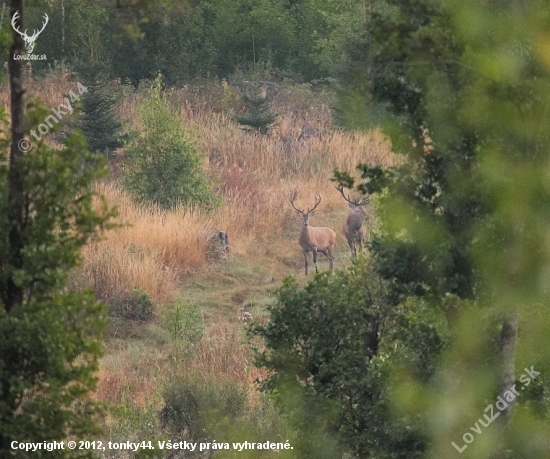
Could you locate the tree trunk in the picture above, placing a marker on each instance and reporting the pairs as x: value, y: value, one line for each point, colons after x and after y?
x: 2, y: 19
x: 506, y: 362
x: 62, y: 30
x: 14, y: 293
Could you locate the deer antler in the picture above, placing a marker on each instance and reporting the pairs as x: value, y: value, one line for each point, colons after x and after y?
x: 317, y: 201
x: 292, y: 197
x: 361, y: 202
x: 294, y: 194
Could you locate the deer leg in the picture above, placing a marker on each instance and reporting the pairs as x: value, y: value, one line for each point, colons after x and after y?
x: 351, y: 247
x: 305, y: 260
x: 315, y: 260
x: 328, y: 253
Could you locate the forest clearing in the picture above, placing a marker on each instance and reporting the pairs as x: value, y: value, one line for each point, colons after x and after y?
x: 168, y: 254
x: 303, y: 229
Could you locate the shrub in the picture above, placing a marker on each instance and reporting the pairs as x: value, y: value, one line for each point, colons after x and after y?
x: 329, y: 348
x: 163, y: 161
x: 196, y: 406
x: 184, y: 322
x: 136, y: 305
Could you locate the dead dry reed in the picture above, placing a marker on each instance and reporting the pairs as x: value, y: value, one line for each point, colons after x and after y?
x: 252, y: 172
x: 156, y: 251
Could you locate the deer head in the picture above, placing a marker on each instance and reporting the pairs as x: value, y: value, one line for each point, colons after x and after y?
x: 353, y: 203
x: 310, y: 212
x: 29, y: 41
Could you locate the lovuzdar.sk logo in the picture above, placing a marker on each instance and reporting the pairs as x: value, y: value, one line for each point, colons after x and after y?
x: 30, y: 40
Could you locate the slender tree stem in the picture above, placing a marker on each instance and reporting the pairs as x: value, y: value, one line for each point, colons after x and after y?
x: 14, y: 294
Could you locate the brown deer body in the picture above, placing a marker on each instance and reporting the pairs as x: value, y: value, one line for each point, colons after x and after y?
x: 314, y: 239
x: 353, y: 227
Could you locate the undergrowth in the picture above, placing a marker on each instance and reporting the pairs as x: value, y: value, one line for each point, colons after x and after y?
x: 173, y: 307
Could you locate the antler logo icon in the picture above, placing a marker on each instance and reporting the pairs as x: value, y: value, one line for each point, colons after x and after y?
x: 29, y: 41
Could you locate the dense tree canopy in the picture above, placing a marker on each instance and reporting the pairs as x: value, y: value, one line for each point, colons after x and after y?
x: 186, y: 40
x: 462, y: 90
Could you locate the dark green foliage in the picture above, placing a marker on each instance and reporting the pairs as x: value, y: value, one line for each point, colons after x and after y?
x: 440, y: 183
x: 184, y: 322
x: 163, y: 162
x: 331, y: 345
x: 258, y: 115
x: 50, y: 338
x: 204, y: 38
x: 98, y: 120
x: 77, y: 31
x: 462, y: 90
x: 136, y: 305
x: 245, y: 31
x: 196, y: 407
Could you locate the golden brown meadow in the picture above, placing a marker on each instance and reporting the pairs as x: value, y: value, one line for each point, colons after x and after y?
x: 165, y: 253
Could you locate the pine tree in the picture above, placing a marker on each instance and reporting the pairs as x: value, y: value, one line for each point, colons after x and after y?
x: 258, y: 115
x: 99, y: 121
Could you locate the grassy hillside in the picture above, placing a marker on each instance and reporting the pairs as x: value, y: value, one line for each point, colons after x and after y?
x: 193, y: 331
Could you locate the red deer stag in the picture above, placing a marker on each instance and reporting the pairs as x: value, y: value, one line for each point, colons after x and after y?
x: 353, y: 225
x: 314, y: 239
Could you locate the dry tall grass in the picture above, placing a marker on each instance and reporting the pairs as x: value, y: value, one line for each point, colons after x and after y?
x: 158, y: 251
x: 50, y: 88
x: 252, y: 172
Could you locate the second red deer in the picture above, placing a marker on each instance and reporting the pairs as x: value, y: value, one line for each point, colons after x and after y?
x: 353, y: 227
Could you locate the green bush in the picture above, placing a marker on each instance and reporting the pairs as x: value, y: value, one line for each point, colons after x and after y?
x: 184, y: 322
x: 329, y: 348
x: 198, y: 407
x: 136, y: 305
x: 163, y: 161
